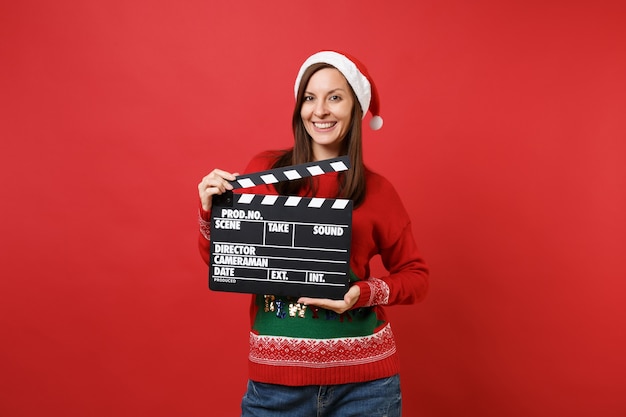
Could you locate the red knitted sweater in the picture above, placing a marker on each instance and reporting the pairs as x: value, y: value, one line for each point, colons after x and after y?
x: 294, y: 345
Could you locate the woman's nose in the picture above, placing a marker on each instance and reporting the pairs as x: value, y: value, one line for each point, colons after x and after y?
x: 320, y: 109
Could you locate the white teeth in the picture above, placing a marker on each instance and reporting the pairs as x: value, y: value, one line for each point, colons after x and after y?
x: 324, y: 125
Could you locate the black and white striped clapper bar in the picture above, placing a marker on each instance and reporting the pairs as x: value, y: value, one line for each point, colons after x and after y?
x: 281, y: 245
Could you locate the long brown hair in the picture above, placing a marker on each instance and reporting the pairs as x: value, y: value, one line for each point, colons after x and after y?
x: 352, y: 182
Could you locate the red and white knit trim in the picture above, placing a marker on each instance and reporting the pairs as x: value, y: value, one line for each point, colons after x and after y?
x: 379, y: 292
x: 326, y: 353
x: 205, y: 227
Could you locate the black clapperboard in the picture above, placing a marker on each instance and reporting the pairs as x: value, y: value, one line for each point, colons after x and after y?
x: 281, y: 245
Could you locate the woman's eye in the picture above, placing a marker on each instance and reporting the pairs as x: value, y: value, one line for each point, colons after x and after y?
x: 334, y: 98
x: 308, y: 98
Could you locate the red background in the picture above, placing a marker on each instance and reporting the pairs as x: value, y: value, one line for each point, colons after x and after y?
x: 504, y: 132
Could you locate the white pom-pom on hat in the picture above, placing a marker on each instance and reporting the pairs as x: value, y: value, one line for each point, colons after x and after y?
x: 376, y: 122
x: 357, y: 76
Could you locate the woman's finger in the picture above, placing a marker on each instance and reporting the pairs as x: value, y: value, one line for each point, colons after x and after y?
x: 216, y: 182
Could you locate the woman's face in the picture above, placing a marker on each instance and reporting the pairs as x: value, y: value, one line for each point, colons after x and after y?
x: 327, y: 112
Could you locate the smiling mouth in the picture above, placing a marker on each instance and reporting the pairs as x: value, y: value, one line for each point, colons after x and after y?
x: 324, y: 125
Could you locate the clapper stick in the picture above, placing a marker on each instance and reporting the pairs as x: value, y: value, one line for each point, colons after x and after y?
x: 281, y: 245
x: 289, y: 173
x: 293, y: 172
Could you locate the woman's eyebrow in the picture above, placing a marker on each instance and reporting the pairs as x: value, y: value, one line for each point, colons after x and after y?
x: 334, y: 90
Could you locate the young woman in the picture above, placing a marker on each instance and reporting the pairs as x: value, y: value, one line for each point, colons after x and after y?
x: 337, y: 358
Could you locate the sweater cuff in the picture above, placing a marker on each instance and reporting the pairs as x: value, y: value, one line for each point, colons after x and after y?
x: 204, y: 221
x: 366, y: 293
x: 202, y: 213
x: 374, y: 291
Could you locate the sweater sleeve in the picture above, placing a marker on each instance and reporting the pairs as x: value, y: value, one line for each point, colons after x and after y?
x: 204, y: 237
x: 408, y: 273
x: 406, y: 280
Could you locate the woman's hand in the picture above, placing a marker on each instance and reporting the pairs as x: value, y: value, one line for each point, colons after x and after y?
x: 338, y: 306
x: 214, y: 183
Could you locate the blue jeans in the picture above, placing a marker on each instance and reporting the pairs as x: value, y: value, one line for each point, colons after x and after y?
x: 378, y: 398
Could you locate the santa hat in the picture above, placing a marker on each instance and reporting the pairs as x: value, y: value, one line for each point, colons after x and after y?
x: 357, y: 77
